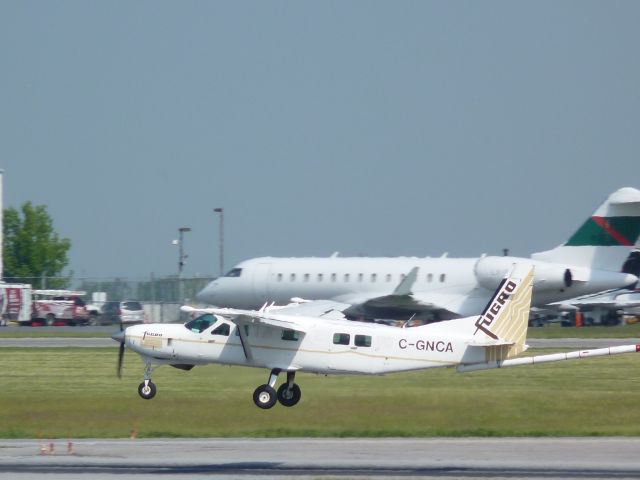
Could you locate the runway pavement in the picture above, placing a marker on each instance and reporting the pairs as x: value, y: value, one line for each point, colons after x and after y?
x: 467, y: 458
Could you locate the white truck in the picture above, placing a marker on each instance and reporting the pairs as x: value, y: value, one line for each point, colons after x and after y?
x: 59, y: 307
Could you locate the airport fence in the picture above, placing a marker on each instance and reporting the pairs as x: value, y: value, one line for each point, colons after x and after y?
x: 160, y: 296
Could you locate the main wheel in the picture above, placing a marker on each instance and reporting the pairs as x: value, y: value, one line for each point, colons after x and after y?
x: 49, y: 319
x: 264, y: 396
x: 289, y: 396
x: 147, y: 391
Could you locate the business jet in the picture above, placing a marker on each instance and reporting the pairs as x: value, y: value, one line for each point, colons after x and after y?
x: 281, y: 340
x: 441, y: 288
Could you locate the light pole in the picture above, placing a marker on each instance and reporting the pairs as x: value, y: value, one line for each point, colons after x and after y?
x: 221, y: 212
x: 181, y: 259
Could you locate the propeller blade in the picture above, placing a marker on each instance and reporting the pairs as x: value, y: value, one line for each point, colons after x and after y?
x: 120, y: 357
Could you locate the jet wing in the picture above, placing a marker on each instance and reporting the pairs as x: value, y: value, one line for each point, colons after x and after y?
x: 444, y: 304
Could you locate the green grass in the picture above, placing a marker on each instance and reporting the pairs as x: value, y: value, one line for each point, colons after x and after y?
x: 75, y: 393
x: 557, y: 331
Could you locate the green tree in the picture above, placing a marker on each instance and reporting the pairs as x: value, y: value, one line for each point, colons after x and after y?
x: 32, y: 249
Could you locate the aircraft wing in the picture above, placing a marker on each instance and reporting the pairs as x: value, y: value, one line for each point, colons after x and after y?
x: 616, y: 299
x: 248, y: 317
x: 444, y: 304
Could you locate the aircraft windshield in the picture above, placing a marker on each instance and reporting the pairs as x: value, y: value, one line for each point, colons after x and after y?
x: 200, y: 324
x: 234, y: 272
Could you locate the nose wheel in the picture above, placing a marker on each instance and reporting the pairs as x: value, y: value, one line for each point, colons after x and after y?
x: 289, y: 394
x: 147, y: 389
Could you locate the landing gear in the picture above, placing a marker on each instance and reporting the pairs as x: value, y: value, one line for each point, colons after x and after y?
x: 147, y: 389
x: 264, y: 396
x: 288, y: 394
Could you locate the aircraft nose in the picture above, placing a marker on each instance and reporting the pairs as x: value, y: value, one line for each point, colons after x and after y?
x: 119, y: 336
x: 207, y: 294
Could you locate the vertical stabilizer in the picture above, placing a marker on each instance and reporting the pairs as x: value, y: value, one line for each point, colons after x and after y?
x: 502, y: 326
x: 605, y: 239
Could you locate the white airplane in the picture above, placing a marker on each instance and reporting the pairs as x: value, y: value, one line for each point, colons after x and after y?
x: 441, y: 288
x: 281, y: 340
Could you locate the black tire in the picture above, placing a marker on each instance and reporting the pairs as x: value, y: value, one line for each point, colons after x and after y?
x: 265, y: 396
x: 289, y: 396
x: 147, y: 393
x: 49, y: 319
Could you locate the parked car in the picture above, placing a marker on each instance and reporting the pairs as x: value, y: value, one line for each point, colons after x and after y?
x: 127, y: 311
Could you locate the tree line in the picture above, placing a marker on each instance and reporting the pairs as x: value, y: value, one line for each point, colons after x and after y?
x: 33, y: 249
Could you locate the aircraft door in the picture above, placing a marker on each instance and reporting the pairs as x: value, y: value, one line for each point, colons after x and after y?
x: 260, y: 283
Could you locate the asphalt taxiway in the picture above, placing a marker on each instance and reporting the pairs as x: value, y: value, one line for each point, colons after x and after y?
x: 468, y: 458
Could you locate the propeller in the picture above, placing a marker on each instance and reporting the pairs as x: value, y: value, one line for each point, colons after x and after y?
x: 119, y: 337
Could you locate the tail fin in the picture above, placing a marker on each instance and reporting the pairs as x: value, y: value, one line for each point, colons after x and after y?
x: 606, y: 238
x: 502, y: 326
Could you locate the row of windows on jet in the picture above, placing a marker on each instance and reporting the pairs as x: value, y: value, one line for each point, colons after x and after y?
x: 360, y: 277
x: 200, y: 324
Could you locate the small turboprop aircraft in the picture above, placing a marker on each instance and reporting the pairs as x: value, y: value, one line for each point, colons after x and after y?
x: 283, y: 339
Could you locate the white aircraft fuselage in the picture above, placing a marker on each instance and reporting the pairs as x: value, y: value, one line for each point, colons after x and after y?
x: 458, y: 285
x: 363, y: 348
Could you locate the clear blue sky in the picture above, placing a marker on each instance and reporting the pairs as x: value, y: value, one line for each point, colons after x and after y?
x: 365, y: 127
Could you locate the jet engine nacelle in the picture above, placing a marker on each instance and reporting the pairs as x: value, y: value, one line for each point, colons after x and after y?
x: 490, y: 271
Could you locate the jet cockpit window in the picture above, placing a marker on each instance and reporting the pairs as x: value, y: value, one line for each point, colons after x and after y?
x: 200, y: 324
x: 222, y: 329
x: 234, y: 272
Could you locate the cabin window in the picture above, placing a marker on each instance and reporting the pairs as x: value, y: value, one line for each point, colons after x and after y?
x: 200, y: 324
x: 290, y: 335
x: 222, y: 329
x: 360, y: 277
x: 292, y: 277
x: 388, y: 277
x: 234, y: 272
x: 442, y: 277
x: 363, y: 341
x: 429, y: 277
x: 333, y: 277
x: 319, y: 277
x: 374, y: 277
x: 346, y: 278
x: 341, y: 338
x: 402, y: 276
x: 306, y: 277
x: 279, y: 277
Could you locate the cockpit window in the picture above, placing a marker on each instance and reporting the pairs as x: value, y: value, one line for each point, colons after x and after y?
x: 234, y: 272
x: 200, y: 324
x: 222, y: 329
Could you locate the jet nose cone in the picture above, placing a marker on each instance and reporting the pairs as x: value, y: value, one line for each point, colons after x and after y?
x: 119, y: 336
x: 207, y: 294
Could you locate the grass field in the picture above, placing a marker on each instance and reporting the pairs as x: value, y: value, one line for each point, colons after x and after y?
x: 548, y: 331
x: 61, y: 393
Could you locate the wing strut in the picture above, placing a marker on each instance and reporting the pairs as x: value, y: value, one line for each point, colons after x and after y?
x: 244, y: 342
